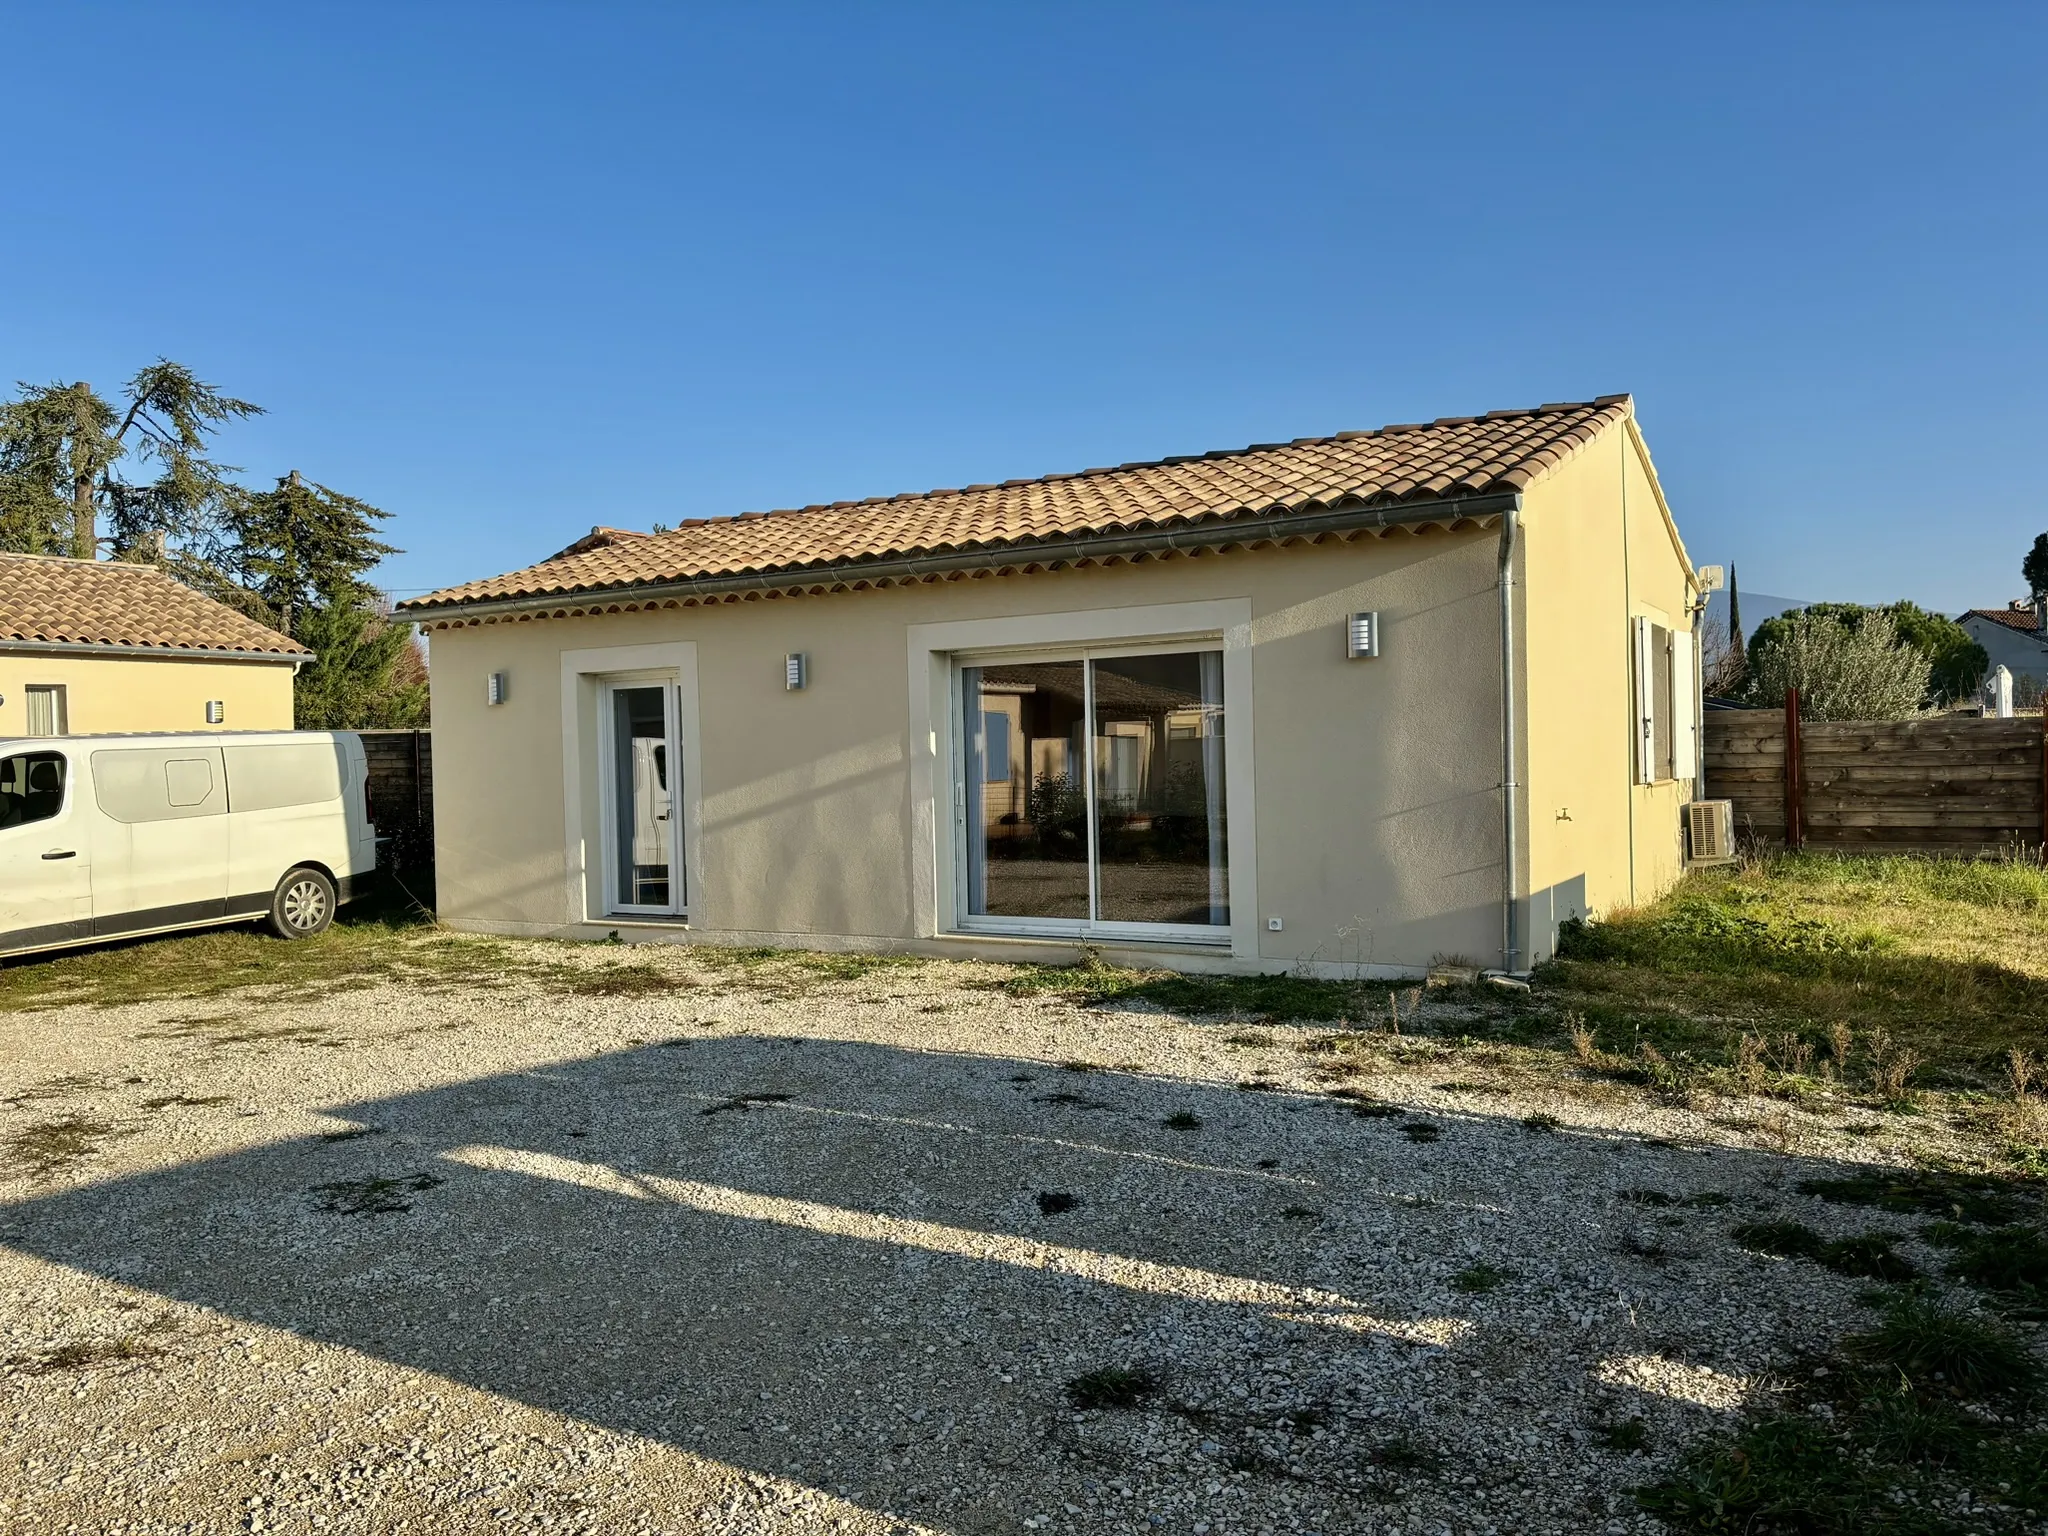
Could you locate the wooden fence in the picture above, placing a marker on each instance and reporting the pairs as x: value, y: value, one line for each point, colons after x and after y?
x: 402, y: 790
x: 1948, y: 784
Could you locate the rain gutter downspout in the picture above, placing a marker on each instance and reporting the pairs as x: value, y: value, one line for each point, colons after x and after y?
x: 1510, y: 756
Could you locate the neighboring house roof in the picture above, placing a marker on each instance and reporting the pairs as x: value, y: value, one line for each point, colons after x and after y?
x: 50, y: 600
x: 1268, y: 483
x: 2025, y: 620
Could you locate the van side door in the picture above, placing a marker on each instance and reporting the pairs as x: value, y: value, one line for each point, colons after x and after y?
x: 164, y: 821
x: 285, y: 808
x: 45, y: 852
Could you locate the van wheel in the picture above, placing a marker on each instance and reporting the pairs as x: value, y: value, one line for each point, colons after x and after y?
x: 302, y: 905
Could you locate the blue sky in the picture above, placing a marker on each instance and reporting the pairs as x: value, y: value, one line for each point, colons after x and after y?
x: 509, y: 271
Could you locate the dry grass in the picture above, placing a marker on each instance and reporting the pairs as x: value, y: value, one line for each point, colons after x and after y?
x: 1880, y: 968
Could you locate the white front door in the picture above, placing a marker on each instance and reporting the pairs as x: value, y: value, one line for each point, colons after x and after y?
x: 641, y: 775
x: 45, y: 855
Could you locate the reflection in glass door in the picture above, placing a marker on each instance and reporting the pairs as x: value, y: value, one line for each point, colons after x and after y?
x: 643, y: 866
x: 1095, y: 791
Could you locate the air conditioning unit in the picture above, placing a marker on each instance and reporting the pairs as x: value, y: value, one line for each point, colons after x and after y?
x: 1710, y: 831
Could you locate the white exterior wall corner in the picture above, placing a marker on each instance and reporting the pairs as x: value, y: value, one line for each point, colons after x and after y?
x: 1376, y: 807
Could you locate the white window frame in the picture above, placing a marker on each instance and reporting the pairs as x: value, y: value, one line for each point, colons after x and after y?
x: 587, y: 878
x: 608, y: 688
x: 939, y: 758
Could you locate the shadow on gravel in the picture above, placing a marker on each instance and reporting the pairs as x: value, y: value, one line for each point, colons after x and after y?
x: 882, y: 1273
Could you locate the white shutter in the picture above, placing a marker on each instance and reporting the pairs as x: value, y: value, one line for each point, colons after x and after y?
x: 1646, y: 702
x: 1685, y: 707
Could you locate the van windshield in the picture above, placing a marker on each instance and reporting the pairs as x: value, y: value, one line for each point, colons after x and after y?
x: 31, y: 788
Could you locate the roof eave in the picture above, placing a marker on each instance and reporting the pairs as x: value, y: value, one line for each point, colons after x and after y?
x: 1207, y: 534
x: 152, y: 652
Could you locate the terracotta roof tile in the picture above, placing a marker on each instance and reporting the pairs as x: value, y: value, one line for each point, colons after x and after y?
x: 2021, y: 619
x: 1422, y: 461
x: 105, y: 602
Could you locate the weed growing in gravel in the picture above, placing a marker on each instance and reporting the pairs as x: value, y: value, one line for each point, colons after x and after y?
x: 1249, y: 1039
x: 1869, y: 1254
x: 1630, y: 1434
x: 1650, y: 1197
x: 2011, y: 1263
x: 1052, y: 1202
x: 1071, y: 1100
x: 1478, y: 1279
x: 1422, y: 1131
x: 186, y: 1101
x: 1908, y: 1192
x: 1541, y: 1122
x: 1300, y: 1213
x: 1182, y: 1120
x: 1112, y: 1386
x: 84, y: 1354
x: 49, y: 1146
x: 372, y: 1197
x: 1404, y: 1453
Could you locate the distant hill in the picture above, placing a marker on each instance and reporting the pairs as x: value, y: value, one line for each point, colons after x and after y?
x: 1756, y: 607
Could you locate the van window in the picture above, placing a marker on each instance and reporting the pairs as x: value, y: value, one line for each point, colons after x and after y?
x: 31, y: 788
x: 158, y: 783
x: 299, y: 773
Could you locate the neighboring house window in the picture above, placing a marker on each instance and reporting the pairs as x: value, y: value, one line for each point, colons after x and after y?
x: 1666, y: 703
x: 47, y: 715
x: 31, y: 788
x: 1099, y: 800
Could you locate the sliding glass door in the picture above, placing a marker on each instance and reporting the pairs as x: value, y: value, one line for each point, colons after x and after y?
x: 643, y: 850
x: 1094, y: 794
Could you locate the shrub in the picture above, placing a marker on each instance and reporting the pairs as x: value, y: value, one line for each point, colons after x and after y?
x: 1842, y: 672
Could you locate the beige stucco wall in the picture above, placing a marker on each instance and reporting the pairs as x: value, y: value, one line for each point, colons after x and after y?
x: 144, y: 693
x: 1376, y: 782
x: 1598, y: 552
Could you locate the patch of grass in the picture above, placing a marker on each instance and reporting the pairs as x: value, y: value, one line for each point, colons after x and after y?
x: 372, y: 1197
x: 1938, y: 1348
x: 1422, y: 1131
x: 1182, y: 1120
x: 1894, y: 1450
x: 1869, y: 1254
x: 740, y: 1103
x: 1112, y: 1386
x: 1541, y: 1122
x: 1052, y: 1202
x: 1250, y: 1039
x: 1909, y: 1192
x: 1948, y: 958
x: 1272, y: 999
x: 2010, y: 1263
x: 50, y: 1146
x: 1478, y: 1279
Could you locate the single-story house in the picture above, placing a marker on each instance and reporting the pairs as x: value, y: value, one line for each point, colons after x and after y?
x: 1348, y: 705
x: 92, y: 646
x: 2014, y: 637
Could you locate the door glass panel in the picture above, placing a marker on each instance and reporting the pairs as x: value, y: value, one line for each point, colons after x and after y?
x: 1158, y: 763
x: 31, y: 788
x: 643, y: 845
x: 1027, y: 808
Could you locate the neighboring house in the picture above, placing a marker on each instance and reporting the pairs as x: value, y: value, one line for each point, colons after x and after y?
x: 2014, y: 637
x: 1132, y: 708
x: 91, y: 646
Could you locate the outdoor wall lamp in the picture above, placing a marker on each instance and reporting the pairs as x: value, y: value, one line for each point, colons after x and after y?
x: 796, y: 671
x: 1362, y: 636
x: 494, y: 688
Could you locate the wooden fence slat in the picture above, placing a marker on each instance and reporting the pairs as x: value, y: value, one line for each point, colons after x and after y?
x: 1953, y: 784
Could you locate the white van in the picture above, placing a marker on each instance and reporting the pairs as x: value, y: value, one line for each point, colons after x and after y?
x: 108, y: 836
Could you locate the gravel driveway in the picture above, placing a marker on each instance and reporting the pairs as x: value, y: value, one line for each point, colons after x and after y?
x: 760, y: 1251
